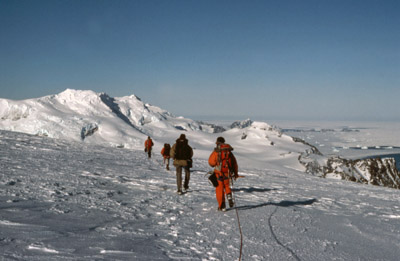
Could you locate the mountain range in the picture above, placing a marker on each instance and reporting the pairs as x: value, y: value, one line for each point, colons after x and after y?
x: 88, y: 117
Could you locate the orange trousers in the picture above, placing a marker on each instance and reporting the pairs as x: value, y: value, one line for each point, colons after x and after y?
x: 223, y: 187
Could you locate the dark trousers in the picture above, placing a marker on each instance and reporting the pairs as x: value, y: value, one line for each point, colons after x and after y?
x: 179, y: 177
x: 166, y: 160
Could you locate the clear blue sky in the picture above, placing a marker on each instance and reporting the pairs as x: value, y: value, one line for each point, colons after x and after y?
x: 282, y: 59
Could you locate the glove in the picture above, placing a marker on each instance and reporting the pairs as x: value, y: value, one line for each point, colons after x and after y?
x: 233, y: 175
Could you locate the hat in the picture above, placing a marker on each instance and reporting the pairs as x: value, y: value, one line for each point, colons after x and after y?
x: 220, y: 140
x: 182, y: 137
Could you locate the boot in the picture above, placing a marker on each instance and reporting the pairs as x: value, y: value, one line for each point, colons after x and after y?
x: 223, y: 207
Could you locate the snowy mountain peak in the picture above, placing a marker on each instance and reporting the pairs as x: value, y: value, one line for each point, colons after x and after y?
x: 72, y: 113
x: 77, y: 114
x: 73, y: 95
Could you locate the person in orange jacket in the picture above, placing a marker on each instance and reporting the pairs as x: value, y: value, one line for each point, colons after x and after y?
x: 225, y: 168
x: 165, y: 153
x: 148, y: 145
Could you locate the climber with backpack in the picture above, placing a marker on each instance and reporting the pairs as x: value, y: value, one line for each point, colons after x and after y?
x: 225, y: 168
x: 165, y: 153
x: 182, y: 154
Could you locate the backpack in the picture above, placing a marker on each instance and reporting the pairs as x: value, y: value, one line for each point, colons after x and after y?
x: 225, y: 159
x: 182, y: 151
x: 167, y: 149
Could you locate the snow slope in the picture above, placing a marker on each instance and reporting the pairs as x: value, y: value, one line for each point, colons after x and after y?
x: 65, y: 200
x: 96, y: 118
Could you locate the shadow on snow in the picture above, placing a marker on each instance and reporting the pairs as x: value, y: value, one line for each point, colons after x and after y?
x: 251, y: 190
x: 285, y: 203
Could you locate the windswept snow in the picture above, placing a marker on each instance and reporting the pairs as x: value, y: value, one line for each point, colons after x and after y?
x: 64, y: 200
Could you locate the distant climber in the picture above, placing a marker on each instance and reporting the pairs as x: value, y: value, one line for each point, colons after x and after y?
x: 165, y: 153
x: 225, y: 168
x: 182, y: 154
x: 148, y: 145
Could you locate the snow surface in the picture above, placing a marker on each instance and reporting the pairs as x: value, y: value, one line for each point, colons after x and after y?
x: 64, y: 200
x: 100, y: 198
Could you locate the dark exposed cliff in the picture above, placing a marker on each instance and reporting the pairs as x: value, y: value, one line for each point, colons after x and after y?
x: 374, y: 171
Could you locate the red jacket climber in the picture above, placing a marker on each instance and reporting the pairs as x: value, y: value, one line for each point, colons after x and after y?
x: 226, y: 168
x: 148, y: 144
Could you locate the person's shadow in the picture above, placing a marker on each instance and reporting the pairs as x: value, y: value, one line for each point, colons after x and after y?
x: 251, y: 190
x: 284, y: 203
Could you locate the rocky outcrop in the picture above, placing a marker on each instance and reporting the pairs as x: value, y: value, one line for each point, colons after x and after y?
x: 89, y: 130
x: 374, y: 171
x: 313, y: 149
x: 209, y: 127
x: 241, y: 124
